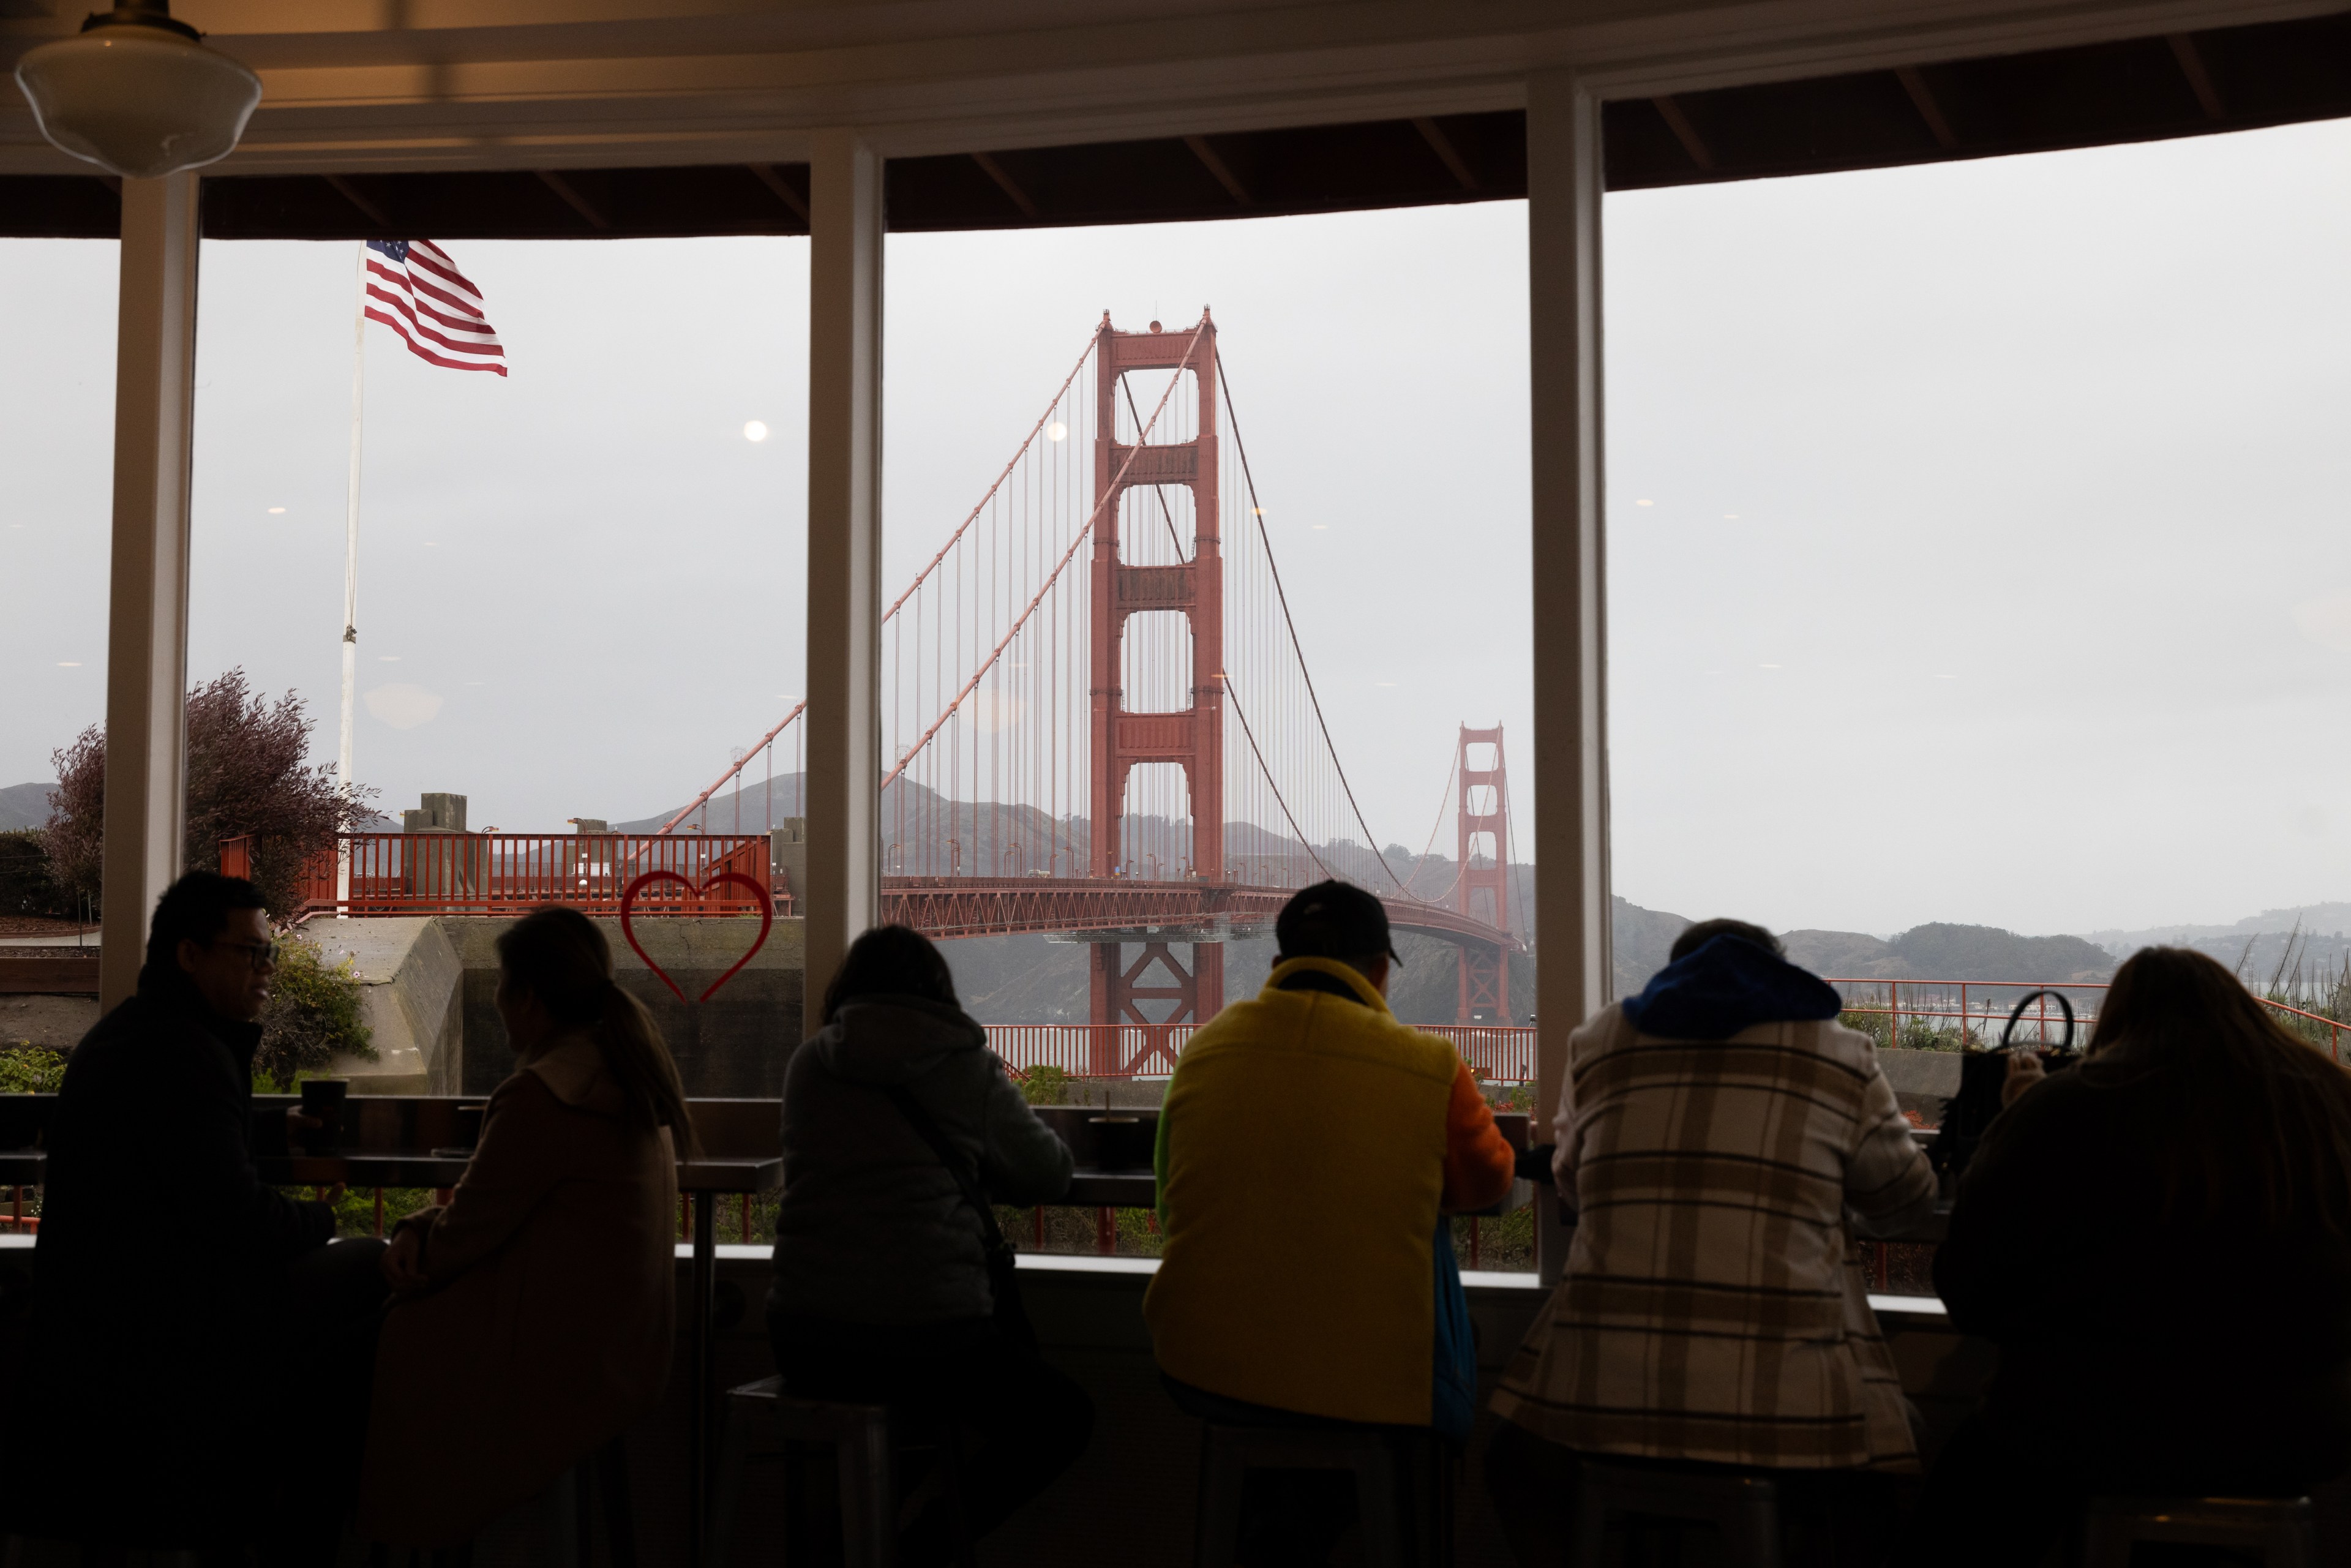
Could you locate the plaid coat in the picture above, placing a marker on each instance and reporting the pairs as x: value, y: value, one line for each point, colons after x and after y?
x: 1711, y: 1308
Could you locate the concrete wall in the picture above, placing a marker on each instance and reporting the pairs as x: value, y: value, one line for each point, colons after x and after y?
x: 1922, y: 1080
x: 428, y: 986
x: 409, y: 977
x: 732, y: 1046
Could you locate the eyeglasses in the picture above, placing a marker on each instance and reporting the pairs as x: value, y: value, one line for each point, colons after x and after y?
x: 264, y: 954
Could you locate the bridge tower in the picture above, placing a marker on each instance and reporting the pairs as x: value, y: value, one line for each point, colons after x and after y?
x: 1485, y: 892
x: 1193, y: 736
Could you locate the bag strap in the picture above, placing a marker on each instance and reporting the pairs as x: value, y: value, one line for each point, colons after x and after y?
x: 920, y: 1120
x: 2025, y: 1002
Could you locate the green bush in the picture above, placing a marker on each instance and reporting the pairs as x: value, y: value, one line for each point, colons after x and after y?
x: 1506, y: 1242
x: 25, y: 885
x: 1045, y: 1085
x: 1876, y: 1025
x: 1506, y: 1097
x: 312, y: 1016
x: 28, y: 1069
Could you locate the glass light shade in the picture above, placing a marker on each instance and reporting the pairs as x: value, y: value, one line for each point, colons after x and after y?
x: 141, y: 101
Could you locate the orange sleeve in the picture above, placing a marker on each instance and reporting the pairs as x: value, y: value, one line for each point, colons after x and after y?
x: 1479, y: 1161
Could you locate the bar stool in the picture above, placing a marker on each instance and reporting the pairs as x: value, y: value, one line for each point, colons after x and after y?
x: 2279, y: 1528
x: 1228, y: 1454
x: 1744, y: 1510
x: 864, y: 1459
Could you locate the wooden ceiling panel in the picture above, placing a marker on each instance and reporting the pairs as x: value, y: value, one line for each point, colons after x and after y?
x: 2264, y: 73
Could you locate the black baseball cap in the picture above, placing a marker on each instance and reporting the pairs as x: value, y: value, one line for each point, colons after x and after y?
x: 1333, y: 920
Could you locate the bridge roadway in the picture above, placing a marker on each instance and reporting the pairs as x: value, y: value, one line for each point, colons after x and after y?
x: 1126, y: 908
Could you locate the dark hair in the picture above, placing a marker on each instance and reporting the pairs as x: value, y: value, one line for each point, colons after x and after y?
x: 196, y: 909
x: 2264, y: 1120
x: 559, y: 956
x: 1705, y: 931
x: 891, y: 961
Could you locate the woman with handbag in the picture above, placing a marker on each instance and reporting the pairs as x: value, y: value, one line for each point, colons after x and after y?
x: 2158, y: 1240
x: 894, y: 1284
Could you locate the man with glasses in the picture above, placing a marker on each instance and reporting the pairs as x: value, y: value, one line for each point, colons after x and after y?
x: 194, y: 1325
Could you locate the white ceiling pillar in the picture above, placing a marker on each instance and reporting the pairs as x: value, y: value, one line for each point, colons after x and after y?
x: 147, y: 605
x: 845, y: 543
x: 1570, y: 585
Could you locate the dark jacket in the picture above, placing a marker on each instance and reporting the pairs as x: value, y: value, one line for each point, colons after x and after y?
x: 2206, y: 1356
x: 160, y: 1261
x: 871, y: 1228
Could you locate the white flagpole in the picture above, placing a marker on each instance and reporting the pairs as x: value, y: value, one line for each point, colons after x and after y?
x: 352, y: 579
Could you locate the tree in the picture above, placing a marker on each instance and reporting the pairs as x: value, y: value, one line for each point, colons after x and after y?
x: 312, y: 1016
x: 25, y: 885
x: 248, y: 773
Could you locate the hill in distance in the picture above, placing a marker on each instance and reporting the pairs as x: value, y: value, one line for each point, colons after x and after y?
x: 1937, y: 951
x: 23, y: 806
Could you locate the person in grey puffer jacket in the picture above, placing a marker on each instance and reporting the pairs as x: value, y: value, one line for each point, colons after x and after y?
x: 881, y: 1290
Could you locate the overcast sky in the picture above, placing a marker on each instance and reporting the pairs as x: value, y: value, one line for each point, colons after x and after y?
x: 1978, y: 539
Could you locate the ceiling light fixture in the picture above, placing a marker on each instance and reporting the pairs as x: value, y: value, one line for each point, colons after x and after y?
x: 138, y: 94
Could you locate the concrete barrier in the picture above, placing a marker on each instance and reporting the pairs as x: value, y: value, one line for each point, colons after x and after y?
x: 428, y: 985
x: 733, y: 1045
x: 408, y: 973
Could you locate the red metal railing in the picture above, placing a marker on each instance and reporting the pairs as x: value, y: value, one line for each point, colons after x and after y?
x: 1980, y: 1007
x: 1497, y: 1054
x: 507, y: 874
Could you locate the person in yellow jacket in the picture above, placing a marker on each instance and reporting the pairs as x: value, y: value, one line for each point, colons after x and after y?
x: 1310, y: 1148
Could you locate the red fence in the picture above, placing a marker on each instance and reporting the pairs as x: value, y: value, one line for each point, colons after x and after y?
x: 1496, y: 1055
x: 508, y: 873
x: 1980, y: 1008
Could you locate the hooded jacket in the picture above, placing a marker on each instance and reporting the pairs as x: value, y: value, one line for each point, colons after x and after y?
x: 156, y: 1294
x: 871, y: 1228
x: 1723, y: 1141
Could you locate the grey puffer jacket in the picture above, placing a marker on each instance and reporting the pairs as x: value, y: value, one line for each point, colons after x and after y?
x: 873, y: 1229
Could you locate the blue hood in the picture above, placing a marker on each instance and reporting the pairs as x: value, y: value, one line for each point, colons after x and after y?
x: 1728, y: 984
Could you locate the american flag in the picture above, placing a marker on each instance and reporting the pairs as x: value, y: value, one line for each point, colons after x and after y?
x: 416, y: 290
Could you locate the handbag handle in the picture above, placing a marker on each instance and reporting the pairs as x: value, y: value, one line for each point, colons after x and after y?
x: 2025, y: 1002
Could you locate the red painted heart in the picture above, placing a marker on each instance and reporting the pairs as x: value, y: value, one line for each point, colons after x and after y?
x: 767, y: 922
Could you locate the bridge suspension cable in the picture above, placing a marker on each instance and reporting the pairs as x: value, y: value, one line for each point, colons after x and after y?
x: 995, y: 711
x: 1281, y: 596
x: 767, y: 740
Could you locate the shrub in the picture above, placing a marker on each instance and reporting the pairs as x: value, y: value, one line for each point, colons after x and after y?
x: 25, y: 885
x: 1875, y: 1025
x: 29, y: 1070
x: 312, y: 1016
x: 1506, y: 1242
x: 1045, y: 1085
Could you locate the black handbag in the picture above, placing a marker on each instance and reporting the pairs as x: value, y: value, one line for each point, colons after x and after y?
x: 1012, y: 1325
x: 1983, y: 1074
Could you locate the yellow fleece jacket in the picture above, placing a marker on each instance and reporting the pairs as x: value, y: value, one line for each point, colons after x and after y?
x: 1301, y: 1161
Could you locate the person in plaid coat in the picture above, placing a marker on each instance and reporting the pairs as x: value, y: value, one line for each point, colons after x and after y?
x: 1722, y: 1142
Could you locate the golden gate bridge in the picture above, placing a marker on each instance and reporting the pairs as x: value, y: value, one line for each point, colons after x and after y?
x: 1100, y: 724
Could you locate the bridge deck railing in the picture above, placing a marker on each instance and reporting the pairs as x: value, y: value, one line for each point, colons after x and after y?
x: 507, y: 874
x: 1945, y: 1015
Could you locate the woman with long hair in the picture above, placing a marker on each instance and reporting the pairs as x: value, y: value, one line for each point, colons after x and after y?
x: 891, y: 1284
x: 2159, y: 1242
x: 533, y: 1319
